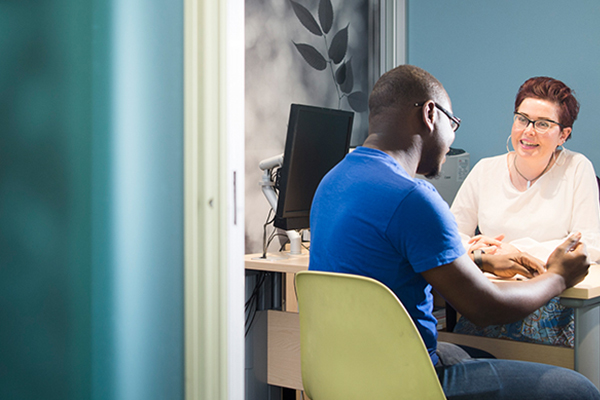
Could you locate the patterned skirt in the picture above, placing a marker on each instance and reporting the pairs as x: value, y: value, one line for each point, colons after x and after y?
x: 552, y: 324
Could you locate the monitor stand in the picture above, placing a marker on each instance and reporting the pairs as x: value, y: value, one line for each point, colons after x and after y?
x: 295, y: 249
x: 266, y: 185
x: 295, y: 243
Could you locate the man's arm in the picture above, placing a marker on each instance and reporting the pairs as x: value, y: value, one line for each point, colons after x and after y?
x: 484, y: 303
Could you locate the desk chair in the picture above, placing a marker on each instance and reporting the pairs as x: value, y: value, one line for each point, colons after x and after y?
x: 358, y: 342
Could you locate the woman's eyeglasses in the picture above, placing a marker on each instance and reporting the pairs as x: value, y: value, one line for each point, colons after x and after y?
x: 541, y: 126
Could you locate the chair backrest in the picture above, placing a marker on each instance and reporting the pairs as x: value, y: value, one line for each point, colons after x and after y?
x: 358, y: 342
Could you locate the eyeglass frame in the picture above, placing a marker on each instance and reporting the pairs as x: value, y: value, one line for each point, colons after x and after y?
x: 532, y: 122
x: 451, y: 116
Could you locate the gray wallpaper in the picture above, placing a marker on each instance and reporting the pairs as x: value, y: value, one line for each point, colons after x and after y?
x: 305, y: 51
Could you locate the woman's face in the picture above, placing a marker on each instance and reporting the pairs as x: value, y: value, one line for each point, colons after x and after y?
x: 528, y: 143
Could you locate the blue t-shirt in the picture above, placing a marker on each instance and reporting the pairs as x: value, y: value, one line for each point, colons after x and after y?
x: 370, y: 218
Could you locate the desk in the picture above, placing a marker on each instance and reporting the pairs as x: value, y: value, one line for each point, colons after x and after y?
x: 288, y: 266
x: 284, y: 329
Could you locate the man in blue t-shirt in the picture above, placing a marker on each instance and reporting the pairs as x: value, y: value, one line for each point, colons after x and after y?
x: 371, y: 217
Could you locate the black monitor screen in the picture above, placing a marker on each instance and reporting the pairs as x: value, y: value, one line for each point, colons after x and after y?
x: 317, y: 139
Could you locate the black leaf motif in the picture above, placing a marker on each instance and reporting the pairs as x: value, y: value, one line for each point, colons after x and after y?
x: 325, y: 15
x: 312, y: 56
x: 339, y: 45
x: 348, y: 83
x: 340, y: 74
x: 358, y: 101
x: 306, y: 18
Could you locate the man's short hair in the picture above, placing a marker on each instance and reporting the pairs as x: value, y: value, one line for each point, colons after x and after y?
x: 402, y: 87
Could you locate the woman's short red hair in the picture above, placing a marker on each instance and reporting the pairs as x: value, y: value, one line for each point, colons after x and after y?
x: 550, y: 89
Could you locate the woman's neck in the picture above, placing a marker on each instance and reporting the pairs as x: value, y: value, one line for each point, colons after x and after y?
x: 525, y: 172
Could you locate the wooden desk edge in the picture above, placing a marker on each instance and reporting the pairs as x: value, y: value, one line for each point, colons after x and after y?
x: 292, y: 264
x: 589, y: 288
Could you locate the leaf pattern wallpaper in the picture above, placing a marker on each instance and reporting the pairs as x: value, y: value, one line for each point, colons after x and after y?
x: 311, y: 52
x: 343, y: 77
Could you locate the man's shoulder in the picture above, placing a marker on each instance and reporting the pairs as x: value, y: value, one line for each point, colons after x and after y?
x: 377, y: 170
x: 424, y: 191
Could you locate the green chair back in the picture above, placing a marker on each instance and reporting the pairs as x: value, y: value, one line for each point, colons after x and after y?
x: 358, y: 342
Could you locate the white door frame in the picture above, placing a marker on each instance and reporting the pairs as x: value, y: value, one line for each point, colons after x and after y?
x: 214, y: 198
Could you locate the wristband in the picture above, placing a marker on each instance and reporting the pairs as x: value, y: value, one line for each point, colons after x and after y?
x: 477, y: 258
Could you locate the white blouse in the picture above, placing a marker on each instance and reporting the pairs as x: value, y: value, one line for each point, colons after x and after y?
x: 563, y: 200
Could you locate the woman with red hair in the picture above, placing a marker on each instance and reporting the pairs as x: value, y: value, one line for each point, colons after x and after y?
x: 530, y: 200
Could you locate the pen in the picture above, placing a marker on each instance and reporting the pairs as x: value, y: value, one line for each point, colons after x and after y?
x: 575, y: 243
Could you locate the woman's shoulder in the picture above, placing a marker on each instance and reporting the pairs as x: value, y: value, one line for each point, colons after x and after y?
x: 494, y: 159
x: 493, y: 162
x: 574, y: 164
x: 572, y: 158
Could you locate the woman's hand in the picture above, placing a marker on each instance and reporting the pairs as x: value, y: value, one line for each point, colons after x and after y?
x: 491, y: 245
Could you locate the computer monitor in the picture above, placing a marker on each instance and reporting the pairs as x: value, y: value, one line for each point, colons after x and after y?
x: 317, y: 139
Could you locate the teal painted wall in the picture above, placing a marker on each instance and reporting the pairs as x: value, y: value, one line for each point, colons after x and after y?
x: 482, y: 51
x: 91, y: 199
x: 137, y: 200
x: 45, y: 200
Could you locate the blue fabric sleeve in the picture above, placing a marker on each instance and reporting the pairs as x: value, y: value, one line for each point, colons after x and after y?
x: 425, y: 229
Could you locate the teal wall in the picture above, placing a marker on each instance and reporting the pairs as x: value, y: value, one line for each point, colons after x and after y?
x: 45, y: 200
x: 91, y: 199
x: 482, y: 51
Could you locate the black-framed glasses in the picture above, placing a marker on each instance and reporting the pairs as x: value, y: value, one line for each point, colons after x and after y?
x: 454, y: 121
x: 541, y: 126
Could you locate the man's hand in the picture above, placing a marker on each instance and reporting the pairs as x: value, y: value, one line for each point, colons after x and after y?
x: 570, y: 260
x: 509, y: 265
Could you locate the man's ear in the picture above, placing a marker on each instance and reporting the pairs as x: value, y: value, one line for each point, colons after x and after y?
x: 428, y: 114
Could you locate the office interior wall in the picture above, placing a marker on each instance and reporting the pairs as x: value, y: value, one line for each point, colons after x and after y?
x: 277, y: 75
x: 45, y: 200
x: 91, y: 246
x: 137, y: 207
x: 483, y: 51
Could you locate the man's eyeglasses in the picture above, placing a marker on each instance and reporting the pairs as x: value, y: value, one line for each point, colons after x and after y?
x: 454, y: 121
x: 541, y: 126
